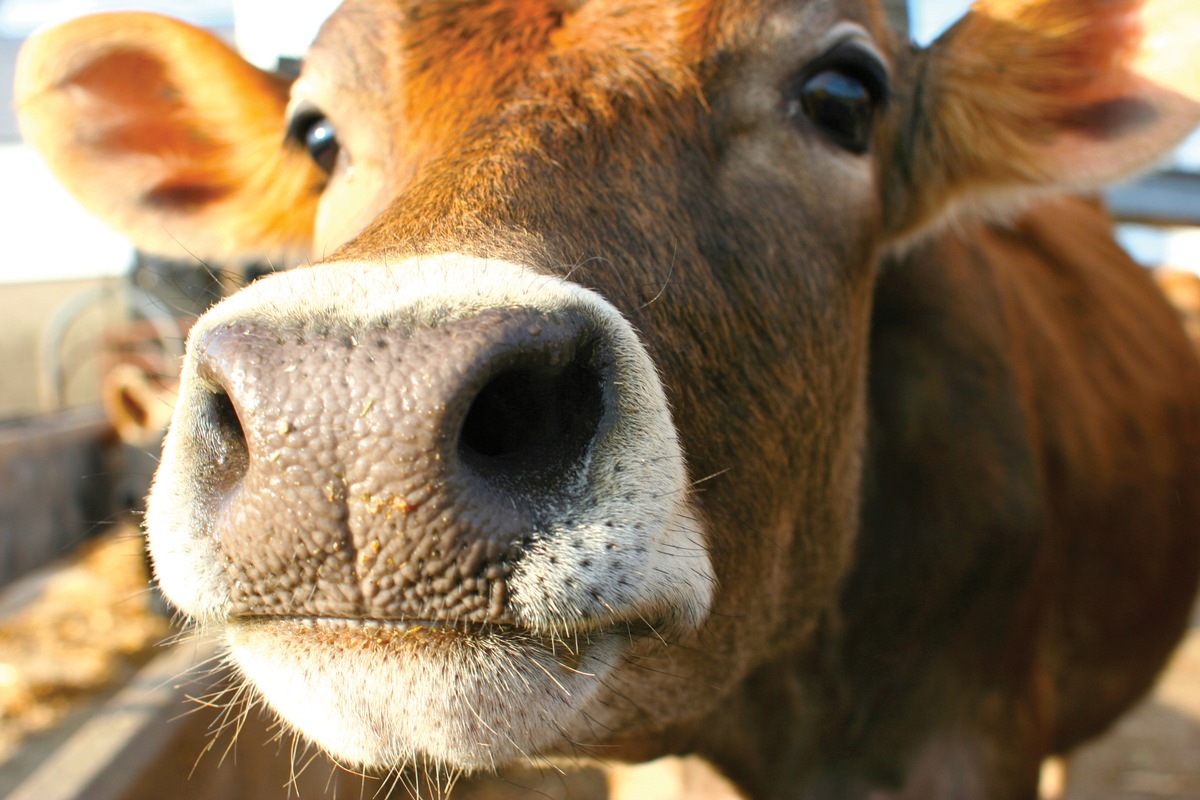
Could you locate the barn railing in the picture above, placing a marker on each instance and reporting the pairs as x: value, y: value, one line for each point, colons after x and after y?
x: 1161, y: 198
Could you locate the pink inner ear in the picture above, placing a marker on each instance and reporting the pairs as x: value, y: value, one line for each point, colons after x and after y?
x: 123, y: 76
x: 183, y: 195
x: 130, y: 106
x: 1110, y: 119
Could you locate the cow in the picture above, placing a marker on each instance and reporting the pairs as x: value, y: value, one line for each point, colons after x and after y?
x: 685, y: 377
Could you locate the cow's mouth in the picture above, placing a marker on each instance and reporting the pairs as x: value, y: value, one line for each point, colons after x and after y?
x: 567, y: 647
x: 386, y: 694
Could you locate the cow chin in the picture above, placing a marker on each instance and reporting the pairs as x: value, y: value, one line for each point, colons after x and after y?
x: 389, y: 697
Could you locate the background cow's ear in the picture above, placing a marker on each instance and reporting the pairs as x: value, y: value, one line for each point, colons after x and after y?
x: 169, y: 136
x: 1024, y: 95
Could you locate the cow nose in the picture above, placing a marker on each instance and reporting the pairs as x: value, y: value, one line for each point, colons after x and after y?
x: 395, y: 465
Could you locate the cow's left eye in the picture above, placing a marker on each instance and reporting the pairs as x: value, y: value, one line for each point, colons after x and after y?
x: 839, y: 94
x: 313, y: 131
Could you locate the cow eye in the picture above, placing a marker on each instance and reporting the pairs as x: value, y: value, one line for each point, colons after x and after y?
x: 313, y: 131
x: 839, y: 94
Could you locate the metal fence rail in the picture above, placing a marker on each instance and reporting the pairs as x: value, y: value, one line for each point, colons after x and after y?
x: 59, y: 478
x: 1161, y: 198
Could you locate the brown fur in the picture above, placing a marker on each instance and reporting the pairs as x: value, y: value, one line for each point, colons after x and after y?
x: 950, y: 494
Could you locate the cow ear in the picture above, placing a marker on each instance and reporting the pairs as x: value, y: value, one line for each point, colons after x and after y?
x: 169, y: 136
x: 1028, y: 95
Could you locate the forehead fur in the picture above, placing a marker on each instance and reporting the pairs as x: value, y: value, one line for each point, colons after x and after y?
x: 466, y: 52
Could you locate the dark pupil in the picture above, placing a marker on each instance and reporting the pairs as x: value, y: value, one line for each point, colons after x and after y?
x: 321, y: 141
x: 841, y: 106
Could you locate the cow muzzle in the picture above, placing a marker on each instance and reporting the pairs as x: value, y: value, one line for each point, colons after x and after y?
x: 449, y: 467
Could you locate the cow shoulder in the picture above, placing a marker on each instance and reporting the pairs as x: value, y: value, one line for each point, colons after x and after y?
x: 1029, y: 386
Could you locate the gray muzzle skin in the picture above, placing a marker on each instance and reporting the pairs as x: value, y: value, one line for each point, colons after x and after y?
x: 399, y: 472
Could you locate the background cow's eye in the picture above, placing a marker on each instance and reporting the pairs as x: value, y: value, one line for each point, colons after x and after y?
x: 839, y: 94
x: 313, y: 131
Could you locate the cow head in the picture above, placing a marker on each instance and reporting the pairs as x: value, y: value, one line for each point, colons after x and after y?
x: 557, y: 438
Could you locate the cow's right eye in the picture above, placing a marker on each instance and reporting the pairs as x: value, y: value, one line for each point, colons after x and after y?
x: 313, y: 131
x: 840, y: 94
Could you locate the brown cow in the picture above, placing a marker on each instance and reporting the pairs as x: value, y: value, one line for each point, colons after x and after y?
x: 662, y: 386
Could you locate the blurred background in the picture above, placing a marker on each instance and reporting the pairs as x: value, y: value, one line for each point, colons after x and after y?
x: 86, y: 323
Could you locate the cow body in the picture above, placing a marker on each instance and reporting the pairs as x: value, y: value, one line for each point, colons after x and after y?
x: 997, y: 326
x: 644, y: 401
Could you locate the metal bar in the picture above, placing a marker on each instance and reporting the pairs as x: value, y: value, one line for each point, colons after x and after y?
x: 58, y: 478
x: 110, y: 752
x: 1161, y: 198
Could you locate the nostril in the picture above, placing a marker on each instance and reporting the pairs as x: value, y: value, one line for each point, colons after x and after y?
x: 227, y: 368
x: 534, y: 419
x: 227, y: 437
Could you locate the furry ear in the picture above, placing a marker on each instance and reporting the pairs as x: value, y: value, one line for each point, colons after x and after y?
x: 1044, y: 94
x: 169, y: 136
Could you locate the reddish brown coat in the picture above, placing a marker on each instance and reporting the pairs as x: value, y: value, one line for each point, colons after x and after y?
x: 945, y: 463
